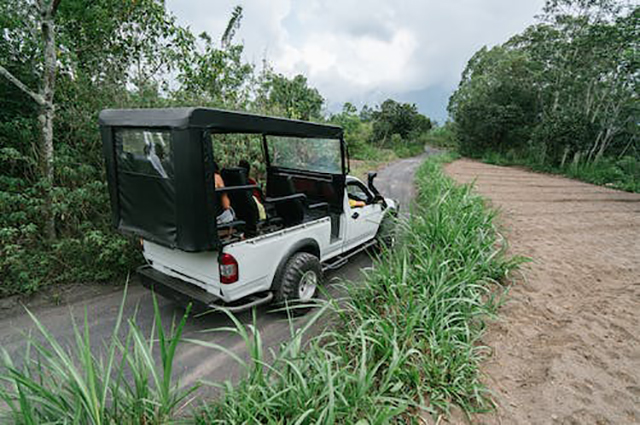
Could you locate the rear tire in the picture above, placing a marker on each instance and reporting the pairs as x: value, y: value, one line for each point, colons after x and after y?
x: 298, y: 281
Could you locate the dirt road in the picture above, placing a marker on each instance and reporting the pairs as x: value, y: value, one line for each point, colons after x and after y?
x: 567, y: 341
x: 193, y: 363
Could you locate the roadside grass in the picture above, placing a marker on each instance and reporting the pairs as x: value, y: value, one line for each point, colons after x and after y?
x: 59, y: 385
x: 360, y: 168
x: 618, y: 173
x: 409, y: 149
x: 407, y: 340
x: 404, y: 343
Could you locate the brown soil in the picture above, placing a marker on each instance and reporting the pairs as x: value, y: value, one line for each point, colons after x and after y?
x: 566, y: 345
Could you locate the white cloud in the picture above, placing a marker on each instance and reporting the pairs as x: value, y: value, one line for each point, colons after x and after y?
x: 364, y: 51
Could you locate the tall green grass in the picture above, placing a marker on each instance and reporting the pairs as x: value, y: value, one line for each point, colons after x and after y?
x: 71, y: 385
x: 405, y: 342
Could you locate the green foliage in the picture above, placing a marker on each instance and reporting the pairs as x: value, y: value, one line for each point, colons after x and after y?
x: 402, y: 119
x: 357, y: 133
x: 291, y: 97
x: 392, y: 126
x: 623, y: 173
x: 55, y: 385
x: 442, y: 137
x: 565, y: 90
x: 493, y: 107
x: 214, y: 77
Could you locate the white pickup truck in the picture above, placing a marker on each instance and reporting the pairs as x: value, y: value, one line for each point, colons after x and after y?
x: 161, y: 174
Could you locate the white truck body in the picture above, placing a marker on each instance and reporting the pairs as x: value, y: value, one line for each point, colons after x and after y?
x: 260, y: 257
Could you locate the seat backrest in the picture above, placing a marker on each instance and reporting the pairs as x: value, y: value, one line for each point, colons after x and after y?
x: 242, y: 200
x: 292, y: 211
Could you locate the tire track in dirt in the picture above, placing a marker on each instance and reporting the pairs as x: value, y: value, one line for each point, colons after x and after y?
x: 566, y: 345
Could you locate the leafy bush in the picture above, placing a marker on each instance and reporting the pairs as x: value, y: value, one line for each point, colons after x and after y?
x: 441, y: 137
x: 409, y: 149
x: 623, y: 173
x: 391, y: 126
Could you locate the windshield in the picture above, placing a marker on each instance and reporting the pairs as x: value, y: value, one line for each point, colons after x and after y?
x: 321, y: 155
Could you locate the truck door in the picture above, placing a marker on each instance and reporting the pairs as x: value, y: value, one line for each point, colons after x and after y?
x: 362, y: 215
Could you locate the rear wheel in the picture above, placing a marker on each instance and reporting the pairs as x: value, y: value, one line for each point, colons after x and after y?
x: 299, y: 280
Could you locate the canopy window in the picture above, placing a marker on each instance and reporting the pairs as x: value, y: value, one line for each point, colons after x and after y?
x: 146, y: 152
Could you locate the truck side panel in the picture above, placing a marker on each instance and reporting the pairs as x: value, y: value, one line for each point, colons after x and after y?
x: 258, y: 259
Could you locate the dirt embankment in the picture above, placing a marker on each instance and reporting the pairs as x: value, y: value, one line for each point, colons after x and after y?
x: 567, y: 341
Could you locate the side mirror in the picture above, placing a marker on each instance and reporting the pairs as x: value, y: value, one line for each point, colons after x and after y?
x: 377, y: 197
x: 372, y: 175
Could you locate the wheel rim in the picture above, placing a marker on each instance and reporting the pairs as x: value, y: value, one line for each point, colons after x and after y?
x: 307, y: 286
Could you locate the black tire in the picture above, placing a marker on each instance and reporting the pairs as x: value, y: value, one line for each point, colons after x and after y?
x: 387, y: 232
x: 287, y: 286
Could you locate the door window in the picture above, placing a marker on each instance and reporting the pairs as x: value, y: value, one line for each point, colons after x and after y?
x: 357, y: 192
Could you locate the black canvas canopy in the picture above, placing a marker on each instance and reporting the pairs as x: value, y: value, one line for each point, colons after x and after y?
x: 160, y: 168
x: 217, y: 119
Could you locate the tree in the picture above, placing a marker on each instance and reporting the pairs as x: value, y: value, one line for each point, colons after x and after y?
x: 349, y: 109
x: 232, y: 27
x: 109, y: 54
x: 398, y: 118
x: 366, y: 113
x: 214, y: 75
x: 494, y: 106
x: 564, y: 88
x: 45, y: 12
x: 294, y: 98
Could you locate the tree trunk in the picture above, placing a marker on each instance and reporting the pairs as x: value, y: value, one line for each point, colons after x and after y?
x: 46, y: 119
x: 44, y: 99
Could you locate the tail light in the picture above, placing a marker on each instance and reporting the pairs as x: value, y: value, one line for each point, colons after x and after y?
x: 228, y: 269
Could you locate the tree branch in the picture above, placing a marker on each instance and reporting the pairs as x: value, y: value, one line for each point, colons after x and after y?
x: 35, y: 96
x: 54, y: 7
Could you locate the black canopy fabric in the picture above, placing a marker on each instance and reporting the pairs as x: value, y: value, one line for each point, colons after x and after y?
x: 176, y: 208
x: 218, y: 120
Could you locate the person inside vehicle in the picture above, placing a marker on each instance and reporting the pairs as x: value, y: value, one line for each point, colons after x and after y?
x: 224, y: 212
x: 245, y: 164
x: 354, y: 203
x: 257, y: 195
x: 356, y: 196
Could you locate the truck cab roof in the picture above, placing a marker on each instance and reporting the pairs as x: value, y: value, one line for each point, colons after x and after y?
x: 217, y: 119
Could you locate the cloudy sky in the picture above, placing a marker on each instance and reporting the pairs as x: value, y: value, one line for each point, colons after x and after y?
x: 365, y: 51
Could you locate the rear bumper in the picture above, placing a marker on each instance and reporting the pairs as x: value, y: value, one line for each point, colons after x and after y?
x: 186, y: 293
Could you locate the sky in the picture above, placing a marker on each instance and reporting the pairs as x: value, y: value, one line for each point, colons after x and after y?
x: 367, y: 51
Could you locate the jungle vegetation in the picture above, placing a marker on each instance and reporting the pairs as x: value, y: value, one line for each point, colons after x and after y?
x: 562, y: 96
x: 62, y: 61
